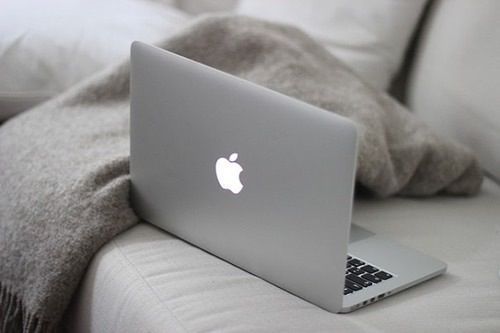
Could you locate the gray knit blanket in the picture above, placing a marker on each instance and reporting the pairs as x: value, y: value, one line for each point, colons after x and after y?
x: 64, y: 170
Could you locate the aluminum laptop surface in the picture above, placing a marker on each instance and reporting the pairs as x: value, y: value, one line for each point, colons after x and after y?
x: 290, y: 223
x: 257, y: 178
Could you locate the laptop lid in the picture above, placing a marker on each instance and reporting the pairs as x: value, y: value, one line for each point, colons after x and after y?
x: 257, y: 178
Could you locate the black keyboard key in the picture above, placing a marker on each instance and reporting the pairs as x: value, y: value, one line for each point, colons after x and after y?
x: 353, y: 286
x: 348, y: 265
x: 355, y: 262
x: 383, y: 275
x: 347, y: 291
x: 358, y: 280
x: 356, y: 271
x: 349, y: 257
x: 371, y: 278
x: 369, y: 269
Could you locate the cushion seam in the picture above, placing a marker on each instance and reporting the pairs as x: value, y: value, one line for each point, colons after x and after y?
x: 148, y: 285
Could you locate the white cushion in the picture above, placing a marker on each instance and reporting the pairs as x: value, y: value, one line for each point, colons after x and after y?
x: 456, y: 81
x: 46, y: 48
x: 369, y: 36
x: 146, y: 280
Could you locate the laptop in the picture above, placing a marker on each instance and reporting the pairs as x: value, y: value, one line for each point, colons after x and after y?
x: 259, y: 179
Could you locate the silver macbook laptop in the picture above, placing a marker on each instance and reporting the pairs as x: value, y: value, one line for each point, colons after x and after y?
x: 259, y: 179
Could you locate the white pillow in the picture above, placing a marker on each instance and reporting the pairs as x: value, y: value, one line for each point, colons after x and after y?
x: 369, y: 36
x: 45, y: 47
x: 455, y: 85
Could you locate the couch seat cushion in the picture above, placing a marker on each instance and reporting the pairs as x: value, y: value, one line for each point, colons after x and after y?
x: 147, y: 280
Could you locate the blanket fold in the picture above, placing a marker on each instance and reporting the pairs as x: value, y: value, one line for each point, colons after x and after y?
x: 64, y: 165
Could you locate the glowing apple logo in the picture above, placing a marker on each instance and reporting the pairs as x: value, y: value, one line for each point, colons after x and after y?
x: 228, y: 173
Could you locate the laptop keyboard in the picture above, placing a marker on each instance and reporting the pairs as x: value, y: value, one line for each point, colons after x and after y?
x: 360, y: 275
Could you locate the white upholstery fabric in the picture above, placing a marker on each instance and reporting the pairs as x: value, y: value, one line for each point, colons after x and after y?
x: 44, y: 49
x: 456, y: 80
x: 148, y: 281
x: 368, y: 36
x: 47, y: 47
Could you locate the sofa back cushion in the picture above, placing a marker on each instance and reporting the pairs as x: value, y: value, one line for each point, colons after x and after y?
x: 47, y: 47
x: 455, y: 81
x: 368, y: 36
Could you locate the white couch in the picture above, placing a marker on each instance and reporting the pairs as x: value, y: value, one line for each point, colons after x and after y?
x: 146, y: 280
